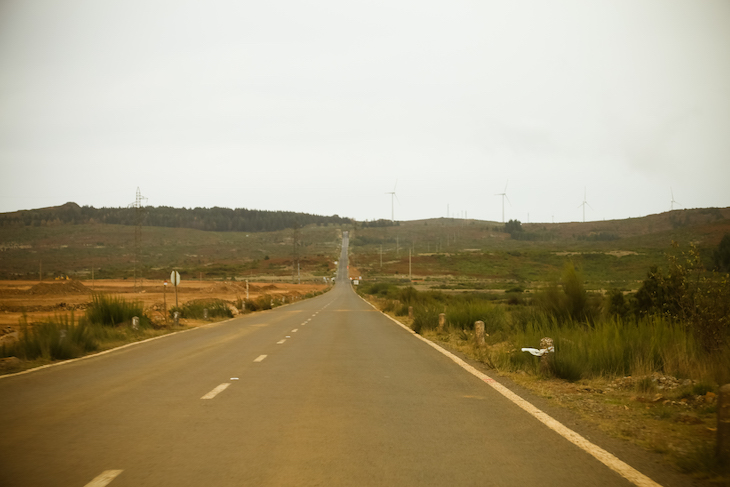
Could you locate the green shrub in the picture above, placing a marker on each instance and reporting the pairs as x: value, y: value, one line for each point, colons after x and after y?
x: 381, y: 289
x: 613, y: 347
x: 562, y: 367
x: 195, y: 309
x: 569, y: 303
x: 261, y: 303
x: 686, y: 293
x: 114, y: 311
x: 58, y: 338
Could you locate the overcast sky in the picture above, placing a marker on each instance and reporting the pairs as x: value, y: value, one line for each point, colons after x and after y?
x: 321, y: 106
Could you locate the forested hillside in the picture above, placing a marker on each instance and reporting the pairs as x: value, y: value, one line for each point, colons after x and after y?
x: 210, y: 219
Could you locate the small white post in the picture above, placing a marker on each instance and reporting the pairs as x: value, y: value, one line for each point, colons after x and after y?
x: 479, y: 330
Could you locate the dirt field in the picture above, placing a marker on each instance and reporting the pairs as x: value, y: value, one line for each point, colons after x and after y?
x: 40, y: 300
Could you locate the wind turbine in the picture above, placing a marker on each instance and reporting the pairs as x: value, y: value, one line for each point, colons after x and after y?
x: 584, y: 205
x: 392, y: 196
x: 503, y: 195
x: 672, y: 203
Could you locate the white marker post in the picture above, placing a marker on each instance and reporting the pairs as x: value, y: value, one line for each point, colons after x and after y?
x: 175, y: 280
x: 164, y: 297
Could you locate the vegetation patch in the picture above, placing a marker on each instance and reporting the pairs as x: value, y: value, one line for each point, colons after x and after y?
x: 114, y: 311
x: 643, y: 366
x: 217, y: 308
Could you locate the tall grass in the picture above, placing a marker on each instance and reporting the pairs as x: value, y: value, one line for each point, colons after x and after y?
x: 114, y: 310
x: 195, y: 309
x: 263, y: 302
x: 57, y: 338
x: 601, y: 346
x: 613, y: 347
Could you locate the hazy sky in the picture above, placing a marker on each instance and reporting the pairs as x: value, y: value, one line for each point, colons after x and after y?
x: 320, y: 106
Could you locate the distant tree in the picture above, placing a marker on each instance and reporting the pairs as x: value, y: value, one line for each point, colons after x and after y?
x: 211, y: 219
x: 721, y: 256
x: 617, y: 304
x: 513, y: 227
x: 687, y: 294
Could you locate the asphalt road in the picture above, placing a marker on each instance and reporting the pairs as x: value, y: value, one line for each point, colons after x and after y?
x: 322, y: 392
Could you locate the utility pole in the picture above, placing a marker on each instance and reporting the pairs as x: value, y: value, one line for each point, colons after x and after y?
x: 296, y: 238
x: 410, y: 274
x: 40, y: 270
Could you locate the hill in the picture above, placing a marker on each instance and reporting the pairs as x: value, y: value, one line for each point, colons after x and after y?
x: 66, y: 249
x: 207, y: 219
x: 483, y: 255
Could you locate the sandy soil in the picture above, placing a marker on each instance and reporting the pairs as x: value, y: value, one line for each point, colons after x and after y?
x: 49, y: 298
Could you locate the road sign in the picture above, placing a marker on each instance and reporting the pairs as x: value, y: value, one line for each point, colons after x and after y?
x: 175, y: 278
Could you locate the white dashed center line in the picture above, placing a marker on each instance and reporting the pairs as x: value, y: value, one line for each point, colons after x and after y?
x: 104, y: 478
x: 281, y: 341
x: 295, y: 330
x: 259, y: 358
x: 216, y: 391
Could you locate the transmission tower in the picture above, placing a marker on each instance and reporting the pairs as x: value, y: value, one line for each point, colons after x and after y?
x: 138, y: 217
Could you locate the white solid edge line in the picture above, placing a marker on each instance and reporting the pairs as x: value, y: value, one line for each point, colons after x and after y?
x: 216, y: 391
x: 625, y: 470
x: 104, y: 478
x: 259, y: 358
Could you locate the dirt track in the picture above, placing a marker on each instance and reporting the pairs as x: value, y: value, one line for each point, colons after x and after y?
x: 49, y: 298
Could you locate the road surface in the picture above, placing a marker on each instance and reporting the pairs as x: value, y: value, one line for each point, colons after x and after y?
x: 327, y: 391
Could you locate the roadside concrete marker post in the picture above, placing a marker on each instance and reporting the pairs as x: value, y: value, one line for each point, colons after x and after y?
x: 410, y: 312
x: 135, y: 322
x: 723, y: 425
x: 442, y: 321
x: 546, y: 343
x: 205, y: 314
x: 164, y: 298
x: 479, y: 331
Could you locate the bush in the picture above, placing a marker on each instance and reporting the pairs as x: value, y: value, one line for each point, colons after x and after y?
x: 195, y: 309
x: 721, y: 256
x: 614, y: 347
x: 261, y: 303
x: 687, y: 294
x: 617, y: 303
x: 571, y: 304
x: 381, y: 289
x: 114, y: 310
x: 58, y: 338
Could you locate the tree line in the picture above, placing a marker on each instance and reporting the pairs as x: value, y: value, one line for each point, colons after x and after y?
x: 208, y: 219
